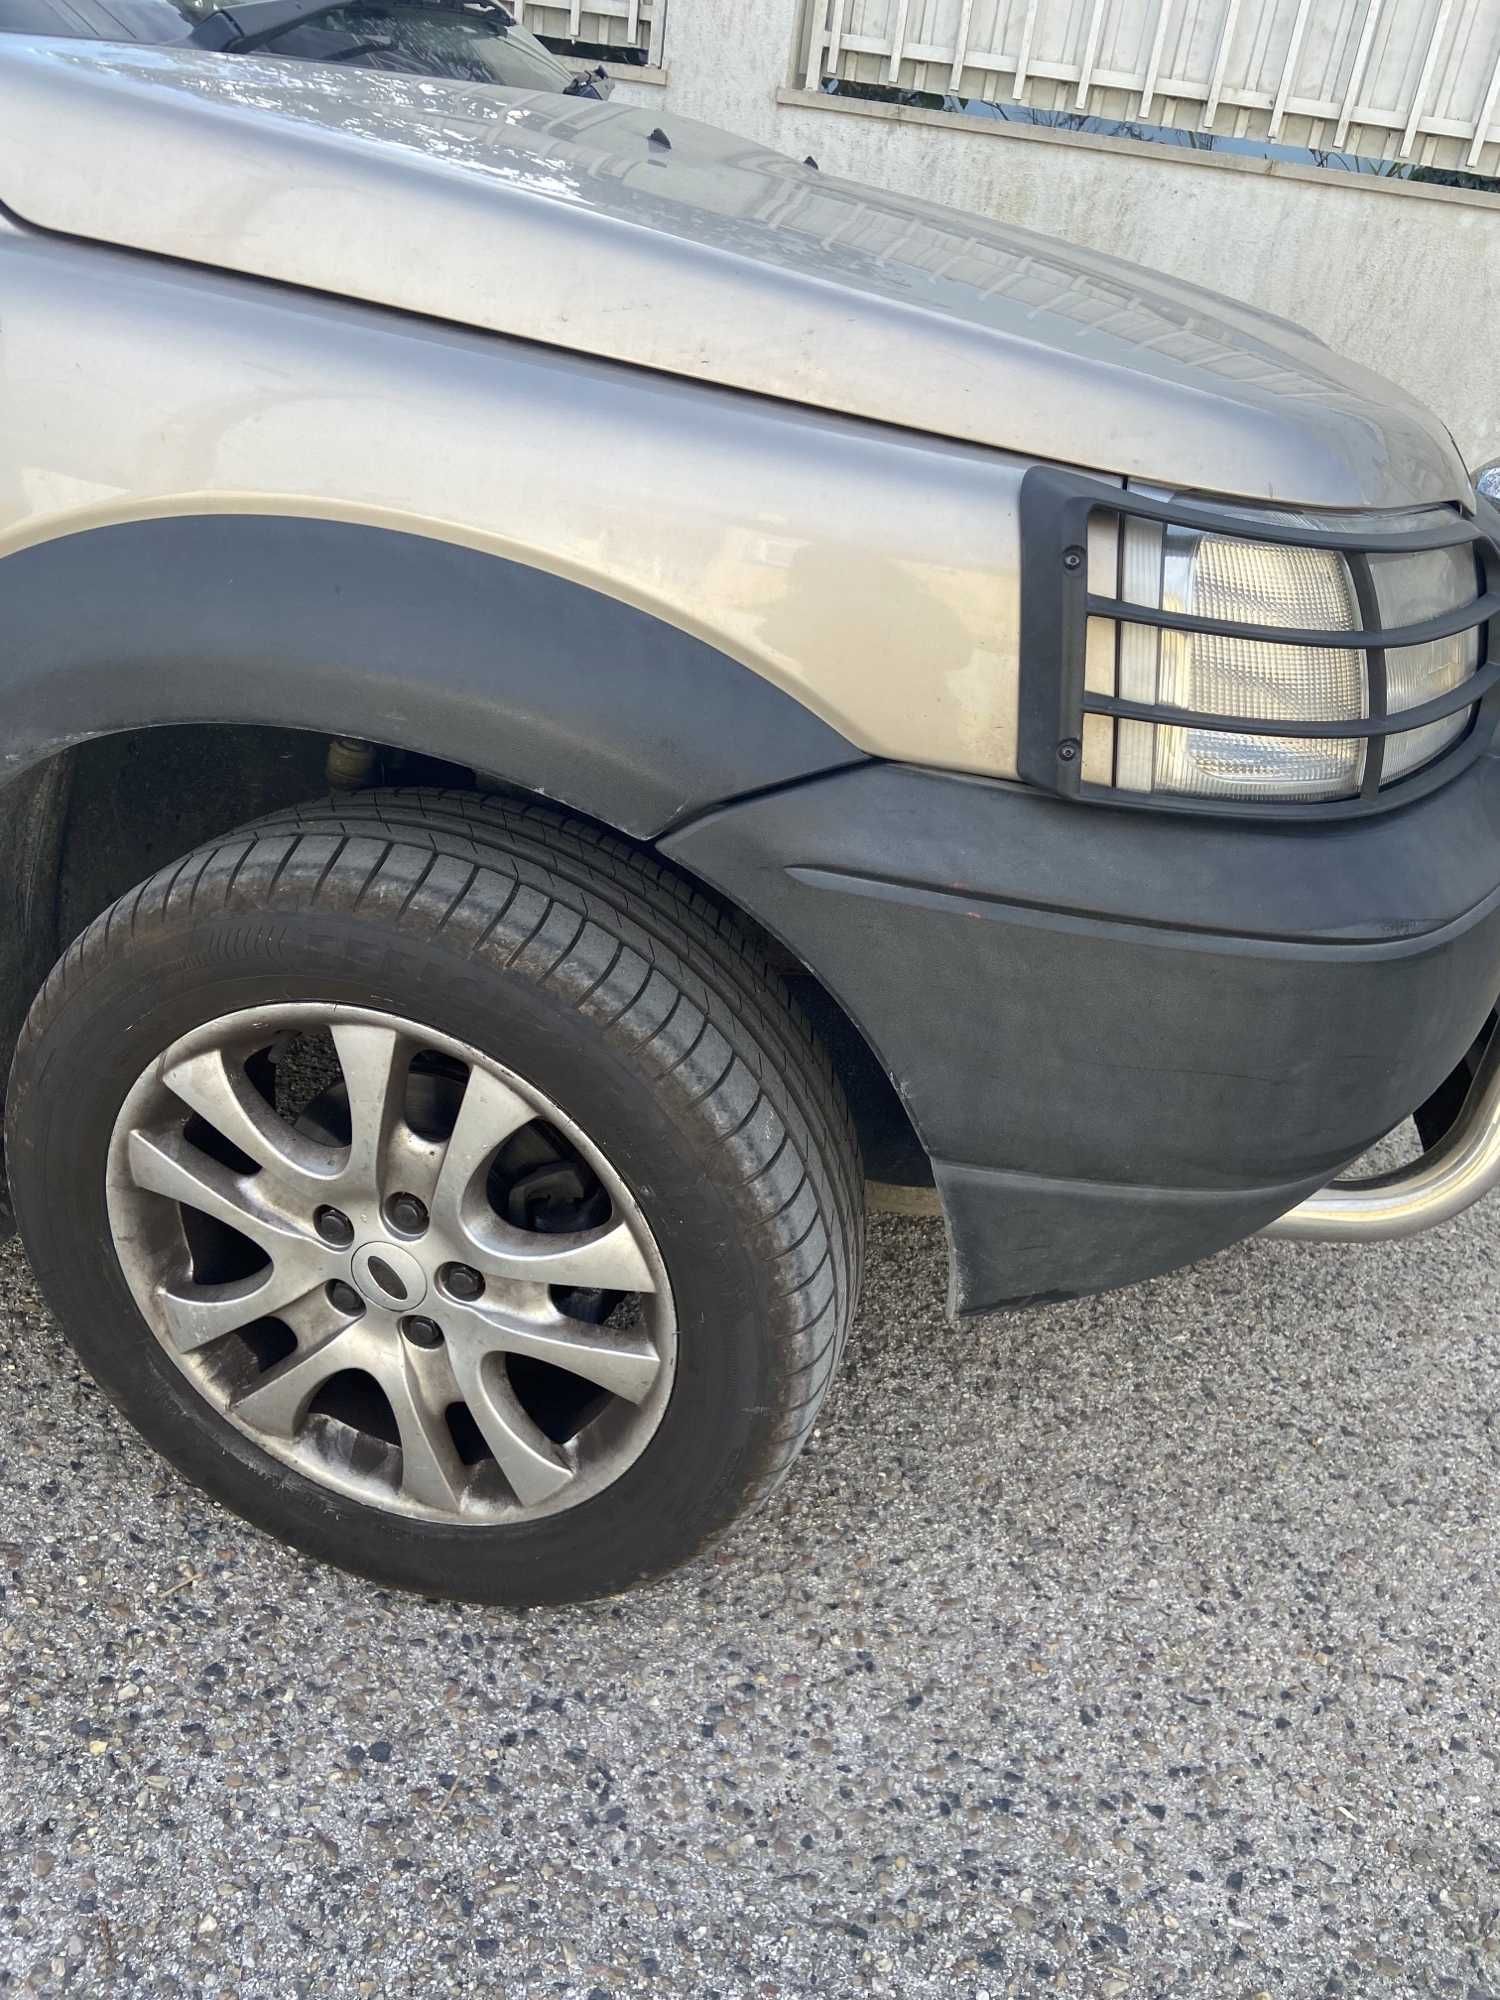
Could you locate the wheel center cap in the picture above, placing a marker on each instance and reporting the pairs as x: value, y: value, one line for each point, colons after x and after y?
x: 389, y: 1276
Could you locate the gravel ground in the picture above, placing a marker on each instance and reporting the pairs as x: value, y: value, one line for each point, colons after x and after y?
x: 1141, y: 1646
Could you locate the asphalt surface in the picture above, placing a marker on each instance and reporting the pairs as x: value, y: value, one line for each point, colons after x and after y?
x: 1141, y: 1646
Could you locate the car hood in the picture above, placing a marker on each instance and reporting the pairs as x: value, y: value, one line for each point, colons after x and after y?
x: 669, y: 245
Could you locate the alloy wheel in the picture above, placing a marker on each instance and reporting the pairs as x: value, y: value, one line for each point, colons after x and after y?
x: 392, y: 1263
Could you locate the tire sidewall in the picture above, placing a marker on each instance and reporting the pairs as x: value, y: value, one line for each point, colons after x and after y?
x: 717, y: 1432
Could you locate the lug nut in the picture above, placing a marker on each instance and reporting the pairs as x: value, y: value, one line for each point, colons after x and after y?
x: 406, y: 1214
x: 334, y: 1227
x: 345, y: 1297
x: 461, y: 1282
x: 422, y: 1332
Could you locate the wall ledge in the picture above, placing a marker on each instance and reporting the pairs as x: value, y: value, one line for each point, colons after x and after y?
x: 1139, y: 149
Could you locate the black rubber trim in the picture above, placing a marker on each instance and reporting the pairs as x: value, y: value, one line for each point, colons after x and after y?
x: 349, y: 629
x: 1477, y: 612
x: 1377, y: 680
x: 1374, y: 726
x: 1226, y: 517
x: 1006, y: 1229
x: 1130, y: 1038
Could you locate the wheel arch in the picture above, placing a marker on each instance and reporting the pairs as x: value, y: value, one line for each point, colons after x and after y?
x: 88, y: 821
x: 350, y: 627
x: 165, y: 679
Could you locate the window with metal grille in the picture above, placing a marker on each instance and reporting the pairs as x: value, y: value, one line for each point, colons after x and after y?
x: 1413, y: 81
x: 620, y: 31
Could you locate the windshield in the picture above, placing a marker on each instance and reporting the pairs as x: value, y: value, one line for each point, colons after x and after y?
x: 475, y: 41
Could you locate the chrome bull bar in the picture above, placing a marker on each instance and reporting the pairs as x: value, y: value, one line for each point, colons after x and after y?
x: 1448, y: 1178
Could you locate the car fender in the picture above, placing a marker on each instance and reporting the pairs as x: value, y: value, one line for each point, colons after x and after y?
x: 346, y: 628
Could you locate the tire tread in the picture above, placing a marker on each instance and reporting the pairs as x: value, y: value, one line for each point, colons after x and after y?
x: 700, y: 994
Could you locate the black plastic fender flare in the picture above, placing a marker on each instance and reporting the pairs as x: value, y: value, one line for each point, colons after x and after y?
x: 347, y: 628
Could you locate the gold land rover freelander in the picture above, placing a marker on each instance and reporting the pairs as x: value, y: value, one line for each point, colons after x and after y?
x: 575, y: 693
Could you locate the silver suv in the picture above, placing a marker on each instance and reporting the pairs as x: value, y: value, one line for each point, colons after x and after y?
x: 574, y: 690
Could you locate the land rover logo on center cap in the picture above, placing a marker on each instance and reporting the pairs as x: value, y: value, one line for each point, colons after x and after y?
x: 389, y: 1276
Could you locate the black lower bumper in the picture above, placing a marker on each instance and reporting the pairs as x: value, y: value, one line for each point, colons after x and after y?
x: 1125, y: 1039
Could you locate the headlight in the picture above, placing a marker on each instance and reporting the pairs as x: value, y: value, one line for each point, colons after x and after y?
x: 1180, y: 570
x: 1408, y: 589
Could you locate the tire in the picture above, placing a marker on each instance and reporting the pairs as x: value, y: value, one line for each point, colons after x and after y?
x: 590, y: 974
x: 1435, y: 1117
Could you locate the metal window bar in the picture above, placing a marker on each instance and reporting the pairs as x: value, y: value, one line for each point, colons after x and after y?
x: 1056, y: 605
x: 1357, y: 73
x: 635, y: 25
x: 1289, y: 69
x: 1416, y: 82
x: 1221, y: 63
x: 1153, y: 61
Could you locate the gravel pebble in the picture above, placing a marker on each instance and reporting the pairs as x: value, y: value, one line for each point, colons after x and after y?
x: 1143, y: 1646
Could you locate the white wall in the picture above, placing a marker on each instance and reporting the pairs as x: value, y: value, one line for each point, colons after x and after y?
x: 1408, y: 283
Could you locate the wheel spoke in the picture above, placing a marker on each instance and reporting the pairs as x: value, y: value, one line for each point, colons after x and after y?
x: 607, y: 1259
x: 278, y: 1401
x: 217, y: 1088
x: 374, y: 1061
x: 623, y: 1361
x: 489, y: 1113
x: 198, y: 1314
x: 432, y: 1473
x: 531, y: 1462
x: 370, y: 1294
x: 173, y: 1167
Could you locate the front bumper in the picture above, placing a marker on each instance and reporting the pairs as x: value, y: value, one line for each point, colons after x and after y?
x: 1125, y: 1038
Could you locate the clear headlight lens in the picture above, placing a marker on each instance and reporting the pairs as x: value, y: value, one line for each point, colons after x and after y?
x: 1409, y: 588
x: 1267, y: 583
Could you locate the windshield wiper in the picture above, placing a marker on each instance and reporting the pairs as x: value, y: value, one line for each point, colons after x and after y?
x: 248, y: 22
x: 589, y: 83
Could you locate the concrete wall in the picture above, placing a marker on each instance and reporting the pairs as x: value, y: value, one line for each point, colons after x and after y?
x: 1406, y: 281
